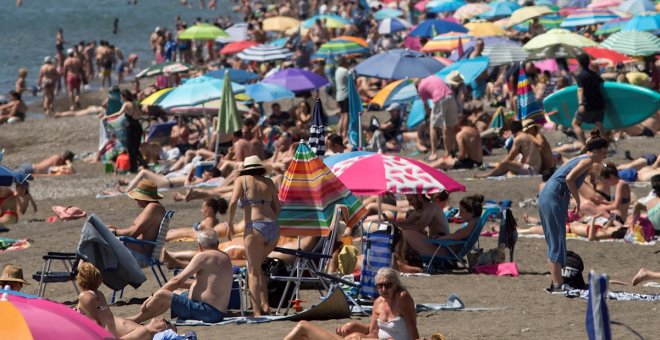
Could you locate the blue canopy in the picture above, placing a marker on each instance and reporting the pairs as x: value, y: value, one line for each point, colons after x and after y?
x: 265, y: 92
x: 399, y: 64
x: 432, y: 27
x: 470, y: 69
x: 236, y: 75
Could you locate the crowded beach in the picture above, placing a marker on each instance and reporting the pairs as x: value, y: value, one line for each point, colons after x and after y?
x: 340, y: 170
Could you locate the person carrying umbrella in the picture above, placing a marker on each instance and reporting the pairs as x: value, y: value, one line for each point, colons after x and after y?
x: 591, y: 107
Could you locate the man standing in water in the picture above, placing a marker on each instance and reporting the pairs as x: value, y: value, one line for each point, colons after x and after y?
x: 73, y: 74
x: 47, y: 79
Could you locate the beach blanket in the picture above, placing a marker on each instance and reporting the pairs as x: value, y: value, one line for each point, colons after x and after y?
x: 500, y: 269
x: 454, y: 303
x: 68, y: 213
x: 503, y: 177
x: 618, y: 296
x: 10, y: 244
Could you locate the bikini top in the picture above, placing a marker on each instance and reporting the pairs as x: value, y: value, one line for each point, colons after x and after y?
x: 8, y: 211
x: 248, y: 202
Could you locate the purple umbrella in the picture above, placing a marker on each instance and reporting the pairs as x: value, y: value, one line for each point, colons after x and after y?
x: 297, y: 80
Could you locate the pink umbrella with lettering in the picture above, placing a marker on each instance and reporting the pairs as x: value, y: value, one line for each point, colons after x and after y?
x: 376, y: 174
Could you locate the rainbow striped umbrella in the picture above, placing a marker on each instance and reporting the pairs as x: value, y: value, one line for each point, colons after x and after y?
x: 399, y: 91
x: 335, y: 48
x: 445, y: 42
x: 611, y: 26
x: 528, y: 106
x: 584, y: 17
x: 309, y: 194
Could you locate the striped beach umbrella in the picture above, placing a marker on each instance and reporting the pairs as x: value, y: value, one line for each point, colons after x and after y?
x: 504, y: 54
x: 360, y: 41
x: 264, y: 53
x: 500, y: 9
x: 392, y: 25
x: 317, y: 130
x: 528, y: 106
x: 309, y: 194
x: 643, y: 22
x: 156, y: 97
x: 584, y: 17
x: 598, y: 317
x: 400, y: 91
x: 633, y: 43
x: 328, y: 20
x: 471, y: 10
x: 445, y: 42
x: 612, y: 26
x: 336, y: 48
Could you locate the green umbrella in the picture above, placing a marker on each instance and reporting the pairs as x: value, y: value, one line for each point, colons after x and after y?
x: 633, y: 43
x: 202, y: 32
x: 228, y: 117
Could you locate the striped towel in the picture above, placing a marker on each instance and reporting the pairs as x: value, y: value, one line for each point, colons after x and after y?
x: 378, y: 254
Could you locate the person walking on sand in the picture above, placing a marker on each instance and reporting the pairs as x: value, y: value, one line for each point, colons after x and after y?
x: 554, y: 200
x: 591, y: 107
x: 48, y: 76
x: 73, y: 74
x: 444, y: 112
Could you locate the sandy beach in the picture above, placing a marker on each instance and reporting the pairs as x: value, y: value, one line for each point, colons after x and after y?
x: 529, y: 311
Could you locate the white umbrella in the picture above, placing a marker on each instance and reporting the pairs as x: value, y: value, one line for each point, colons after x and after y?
x: 265, y: 53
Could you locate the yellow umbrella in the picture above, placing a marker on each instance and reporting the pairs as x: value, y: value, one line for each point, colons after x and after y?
x: 484, y: 29
x: 156, y: 97
x: 382, y: 95
x: 529, y: 12
x: 558, y: 36
x: 280, y: 23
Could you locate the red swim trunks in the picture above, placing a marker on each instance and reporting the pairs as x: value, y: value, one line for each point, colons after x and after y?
x: 73, y: 82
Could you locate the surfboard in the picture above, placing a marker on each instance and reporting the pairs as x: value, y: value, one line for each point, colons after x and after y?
x: 626, y: 105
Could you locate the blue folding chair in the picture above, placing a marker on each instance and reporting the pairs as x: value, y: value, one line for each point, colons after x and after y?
x: 378, y: 253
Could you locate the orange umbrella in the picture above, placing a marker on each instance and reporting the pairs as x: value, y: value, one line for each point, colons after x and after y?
x: 353, y: 39
x: 237, y: 46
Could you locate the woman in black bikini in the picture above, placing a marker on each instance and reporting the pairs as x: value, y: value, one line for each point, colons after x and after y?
x: 133, y: 127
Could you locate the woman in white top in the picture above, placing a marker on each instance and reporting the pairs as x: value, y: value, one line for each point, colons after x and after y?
x: 393, y: 316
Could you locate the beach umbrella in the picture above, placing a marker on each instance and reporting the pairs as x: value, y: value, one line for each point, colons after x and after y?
x: 500, y: 9
x: 202, y: 32
x: 237, y: 46
x: 432, y: 27
x: 156, y: 97
x: 504, y: 54
x: 8, y: 176
x: 443, y: 6
x: 229, y: 120
x: 470, y: 69
x: 166, y: 67
x: 417, y: 113
x: 598, y: 317
x: 26, y: 316
x: 558, y: 36
x: 309, y: 194
x: 528, y: 106
x: 471, y: 10
x: 197, y: 91
x: 336, y: 48
x: 316, y: 140
x: 394, y: 174
x: 554, y: 51
x: 605, y: 4
x: 498, y: 121
x: 264, y: 92
x: 399, y: 64
x: 281, y: 42
x: 384, y: 97
x: 280, y: 23
x: 210, y: 106
x: 611, y: 26
x: 412, y: 43
x: 297, y: 80
x: 392, y: 25
x: 421, y: 5
x: 446, y: 42
x: 353, y: 39
x: 340, y: 157
x: 643, y: 22
x: 237, y: 75
x: 484, y: 29
x: 328, y: 20
x: 603, y: 54
x: 387, y: 13
x: 235, y: 32
x: 263, y: 53
x: 469, y: 45
x: 527, y: 13
x: 355, y: 109
x: 584, y: 17
x: 633, y: 43
x: 637, y: 6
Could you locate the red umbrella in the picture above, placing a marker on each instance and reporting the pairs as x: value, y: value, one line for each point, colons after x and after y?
x: 604, y: 53
x: 237, y: 46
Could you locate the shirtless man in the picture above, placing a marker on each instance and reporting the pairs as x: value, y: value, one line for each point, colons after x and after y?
x: 282, y: 156
x: 106, y: 58
x: 73, y: 74
x: 548, y: 161
x: 147, y: 223
x: 54, y: 162
x: 470, y: 152
x: 524, y: 157
x: 425, y: 214
x: 209, y: 293
x: 47, y: 80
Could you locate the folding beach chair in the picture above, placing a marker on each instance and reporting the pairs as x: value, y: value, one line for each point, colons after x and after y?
x: 378, y: 253
x: 45, y: 276
x: 466, y: 245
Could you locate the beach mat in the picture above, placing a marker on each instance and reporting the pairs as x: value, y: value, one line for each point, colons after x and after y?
x: 334, y: 306
x: 454, y: 303
x: 617, y: 296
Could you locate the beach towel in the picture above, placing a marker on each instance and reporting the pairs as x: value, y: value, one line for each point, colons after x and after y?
x: 454, y: 303
x: 68, y: 213
x: 501, y: 269
x: 10, y: 244
x: 618, y: 296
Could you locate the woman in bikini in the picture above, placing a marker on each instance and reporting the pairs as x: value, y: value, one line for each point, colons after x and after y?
x: 210, y: 208
x: 257, y: 195
x: 599, y: 228
x: 24, y: 198
x: 393, y: 316
x: 171, y: 180
x: 8, y: 205
x: 93, y: 304
x: 620, y: 202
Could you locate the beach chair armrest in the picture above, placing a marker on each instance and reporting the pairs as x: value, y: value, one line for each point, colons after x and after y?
x: 128, y: 239
x: 301, y: 253
x: 59, y: 256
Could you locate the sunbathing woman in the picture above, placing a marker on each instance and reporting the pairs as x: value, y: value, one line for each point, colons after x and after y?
x: 92, y: 303
x: 600, y: 228
x: 618, y: 207
x: 171, y: 180
x: 210, y: 208
x: 393, y: 316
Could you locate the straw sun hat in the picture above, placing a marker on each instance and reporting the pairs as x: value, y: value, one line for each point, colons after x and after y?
x: 454, y: 78
x: 145, y: 191
x: 251, y: 163
x: 528, y: 124
x: 13, y: 274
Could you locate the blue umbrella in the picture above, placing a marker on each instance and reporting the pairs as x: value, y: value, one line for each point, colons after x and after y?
x: 417, y: 114
x: 649, y: 22
x: 442, y: 6
x: 340, y: 157
x: 279, y: 42
x: 399, y: 64
x: 598, y: 317
x: 355, y: 109
x: 500, y: 9
x: 637, y: 6
x: 196, y: 91
x: 403, y: 93
x: 392, y: 25
x: 7, y: 177
x: 387, y: 13
x: 545, y: 2
x: 317, y: 131
x: 236, y: 75
x: 264, y: 92
x: 432, y: 27
x: 584, y: 17
x: 470, y: 69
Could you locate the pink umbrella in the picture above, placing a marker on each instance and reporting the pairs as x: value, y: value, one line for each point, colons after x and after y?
x: 412, y: 43
x: 421, y: 5
x: 605, y: 4
x: 551, y: 65
x: 377, y: 173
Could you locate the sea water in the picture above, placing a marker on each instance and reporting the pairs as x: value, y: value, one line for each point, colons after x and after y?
x: 27, y: 33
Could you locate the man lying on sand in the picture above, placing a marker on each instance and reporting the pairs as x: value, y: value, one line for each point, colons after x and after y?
x: 62, y: 164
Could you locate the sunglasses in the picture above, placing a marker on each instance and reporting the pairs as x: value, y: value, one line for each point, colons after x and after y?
x: 384, y: 285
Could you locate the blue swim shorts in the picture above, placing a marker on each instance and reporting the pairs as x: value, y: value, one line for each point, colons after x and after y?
x: 185, y: 309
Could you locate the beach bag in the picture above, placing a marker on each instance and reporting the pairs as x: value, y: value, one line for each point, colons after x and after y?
x: 572, y: 272
x: 641, y: 231
x: 347, y: 259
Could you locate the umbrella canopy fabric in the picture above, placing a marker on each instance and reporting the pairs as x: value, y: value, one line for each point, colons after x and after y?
x: 637, y: 6
x: 202, y: 32
x: 197, y: 91
x: 394, y: 174
x: 470, y: 69
x: 584, y: 17
x: 384, y: 97
x: 235, y: 32
x: 471, y: 10
x: 500, y: 9
x: 387, y: 13
x: 263, y: 53
x: 484, y: 29
x: 297, y: 80
x: 528, y: 106
x: 554, y: 51
x: 446, y: 42
x: 28, y: 317
x: 340, y: 157
x: 156, y: 97
x: 329, y: 20
x: 228, y: 118
x: 353, y: 39
x: 432, y: 27
x: 237, y: 46
x: 7, y: 177
x: 558, y: 36
x: 612, y: 57
x: 237, y: 75
x: 336, y: 48
x: 317, y: 130
x: 166, y: 67
x: 633, y: 43
x: 605, y: 3
x: 643, y: 22
x: 443, y: 6
x: 309, y: 194
x: 280, y: 23
x: 399, y: 64
x: 392, y: 25
x: 355, y: 108
x: 264, y: 92
x: 611, y: 26
x: 503, y: 54
x: 529, y: 12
